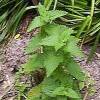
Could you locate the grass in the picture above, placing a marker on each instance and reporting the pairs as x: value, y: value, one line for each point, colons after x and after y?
x: 11, y: 13
x: 83, y: 17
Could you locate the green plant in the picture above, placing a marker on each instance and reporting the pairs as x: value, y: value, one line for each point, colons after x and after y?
x: 54, y: 49
x: 47, y: 3
x: 10, y: 16
x: 11, y: 13
x: 83, y: 16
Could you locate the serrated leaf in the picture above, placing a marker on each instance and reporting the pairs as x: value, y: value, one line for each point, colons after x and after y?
x: 35, y: 23
x: 42, y: 10
x: 51, y: 63
x: 33, y: 44
x: 72, y: 93
x: 75, y: 70
x: 47, y: 3
x: 58, y: 36
x: 45, y: 17
x: 34, y: 93
x: 43, y: 13
x: 52, y: 41
x: 40, y: 20
x: 65, y: 92
x: 65, y: 79
x: 58, y: 29
x: 59, y: 91
x: 48, y: 86
x: 34, y: 62
x: 53, y: 14
x: 50, y: 15
x: 73, y: 48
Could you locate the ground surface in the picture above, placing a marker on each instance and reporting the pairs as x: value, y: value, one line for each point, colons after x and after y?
x: 94, y: 70
x: 12, y: 56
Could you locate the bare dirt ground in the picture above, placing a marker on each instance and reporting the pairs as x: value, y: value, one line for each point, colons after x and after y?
x: 13, y: 55
x: 94, y: 70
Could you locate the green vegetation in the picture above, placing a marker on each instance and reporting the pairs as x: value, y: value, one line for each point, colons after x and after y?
x: 62, y: 26
x: 84, y: 17
x: 11, y: 12
x: 54, y: 49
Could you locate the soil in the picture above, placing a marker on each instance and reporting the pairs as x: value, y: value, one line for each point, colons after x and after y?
x: 93, y: 68
x: 13, y: 55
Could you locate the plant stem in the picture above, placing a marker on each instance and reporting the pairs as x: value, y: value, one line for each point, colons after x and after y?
x: 55, y: 4
x: 92, y: 12
x: 31, y: 7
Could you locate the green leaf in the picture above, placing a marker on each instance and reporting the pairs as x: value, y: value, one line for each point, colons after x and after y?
x: 47, y: 3
x: 65, y: 92
x: 34, y: 62
x: 34, y: 93
x: 94, y: 47
x: 61, y: 98
x: 58, y: 29
x: 42, y: 10
x: 84, y: 25
x: 72, y: 47
x: 33, y: 98
x: 43, y: 13
x: 33, y: 44
x: 53, y: 14
x: 49, y: 85
x: 37, y: 22
x: 81, y: 85
x: 59, y: 91
x: 45, y: 17
x: 50, y: 15
x: 51, y: 63
x: 72, y: 93
x: 65, y: 79
x: 75, y: 70
x: 2, y: 17
x: 58, y: 36
x: 52, y: 40
x: 54, y: 28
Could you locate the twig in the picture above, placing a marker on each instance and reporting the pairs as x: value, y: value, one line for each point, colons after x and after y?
x: 85, y: 96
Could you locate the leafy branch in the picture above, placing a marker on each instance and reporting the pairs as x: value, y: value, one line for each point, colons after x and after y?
x: 54, y: 50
